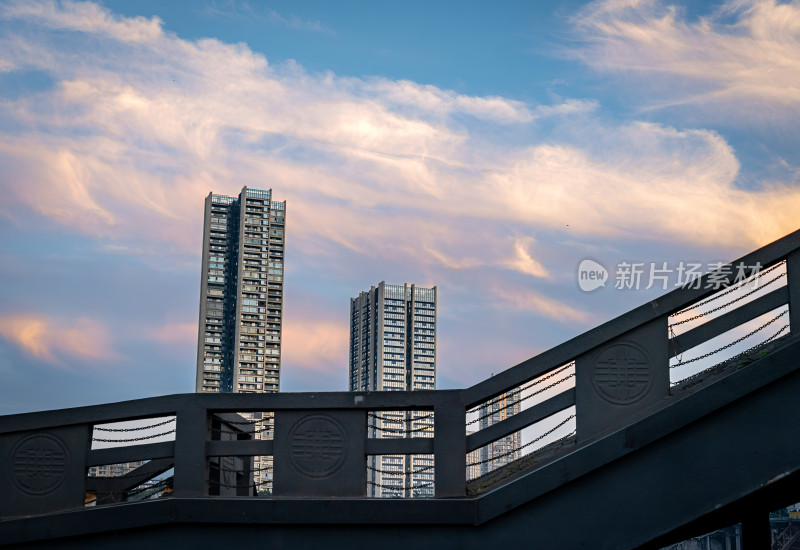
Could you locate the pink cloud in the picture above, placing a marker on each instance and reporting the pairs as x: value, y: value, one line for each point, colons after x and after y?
x: 316, y: 345
x: 522, y: 260
x: 175, y: 333
x: 526, y: 299
x: 56, y: 340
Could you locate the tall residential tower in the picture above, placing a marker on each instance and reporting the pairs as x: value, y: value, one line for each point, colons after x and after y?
x: 241, y: 306
x: 393, y: 348
x: 241, y: 296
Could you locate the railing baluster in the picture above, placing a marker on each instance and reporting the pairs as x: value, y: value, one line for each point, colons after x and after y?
x: 793, y: 282
x: 450, y: 446
x: 191, y: 466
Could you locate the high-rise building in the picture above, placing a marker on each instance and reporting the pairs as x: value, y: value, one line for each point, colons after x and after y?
x: 505, y: 449
x: 393, y: 348
x: 241, y: 296
x: 241, y: 305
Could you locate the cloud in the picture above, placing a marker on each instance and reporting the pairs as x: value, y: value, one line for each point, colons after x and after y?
x: 171, y: 333
x: 643, y: 180
x: 125, y: 147
x: 452, y: 263
x: 430, y: 99
x: 85, y: 17
x: 746, y: 50
x: 58, y: 341
x: 527, y: 299
x: 246, y: 12
x: 316, y: 345
x: 522, y: 261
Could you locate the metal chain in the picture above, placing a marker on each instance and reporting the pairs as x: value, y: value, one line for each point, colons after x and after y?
x: 723, y: 306
x: 545, y: 434
x: 399, y: 472
x: 765, y: 325
x: 231, y: 432
x: 401, y: 430
x: 377, y: 417
x: 534, y: 394
x: 737, y: 356
x: 728, y: 291
x: 238, y: 422
x: 400, y: 487
x: 399, y: 421
x: 130, y: 474
x: 553, y: 444
x: 134, y: 429
x: 234, y: 471
x: 132, y: 439
x: 522, y: 389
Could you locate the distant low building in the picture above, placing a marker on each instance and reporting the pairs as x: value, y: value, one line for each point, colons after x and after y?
x: 506, y: 449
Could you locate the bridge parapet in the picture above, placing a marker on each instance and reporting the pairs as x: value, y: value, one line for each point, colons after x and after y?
x: 316, y: 444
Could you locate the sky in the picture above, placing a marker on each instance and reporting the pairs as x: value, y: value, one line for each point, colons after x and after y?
x: 484, y: 149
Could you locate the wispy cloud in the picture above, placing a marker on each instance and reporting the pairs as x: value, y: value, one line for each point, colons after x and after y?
x: 166, y: 120
x: 316, y: 345
x: 59, y: 342
x: 744, y: 51
x: 522, y: 260
x: 533, y: 301
x: 390, y: 172
x: 241, y: 10
x: 85, y: 17
x: 174, y: 333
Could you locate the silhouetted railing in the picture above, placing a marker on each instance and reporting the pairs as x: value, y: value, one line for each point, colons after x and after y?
x: 315, y: 445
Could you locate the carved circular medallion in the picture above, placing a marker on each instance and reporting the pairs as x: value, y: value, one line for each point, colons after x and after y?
x: 318, y: 445
x: 622, y: 374
x: 39, y: 464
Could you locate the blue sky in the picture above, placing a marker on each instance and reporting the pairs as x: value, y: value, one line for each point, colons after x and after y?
x: 484, y: 149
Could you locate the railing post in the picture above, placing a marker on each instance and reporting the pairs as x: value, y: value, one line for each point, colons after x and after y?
x: 450, y: 446
x: 191, y: 466
x: 793, y: 282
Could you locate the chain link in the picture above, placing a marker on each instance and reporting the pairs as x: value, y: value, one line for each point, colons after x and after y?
x: 533, y: 454
x: 231, y: 432
x: 144, y: 437
x: 746, y: 352
x: 234, y: 471
x: 243, y: 422
x: 512, y: 451
x: 726, y: 346
x: 534, y: 394
x: 377, y: 417
x: 740, y: 285
x: 400, y: 487
x: 532, y: 384
x: 400, y: 421
x: 400, y: 472
x: 723, y: 306
x: 402, y: 430
x: 134, y: 429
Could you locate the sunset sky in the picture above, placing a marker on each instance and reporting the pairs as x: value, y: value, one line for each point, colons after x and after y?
x: 486, y: 148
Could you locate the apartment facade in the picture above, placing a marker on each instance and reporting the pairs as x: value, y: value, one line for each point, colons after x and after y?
x: 241, y: 296
x: 393, y: 348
